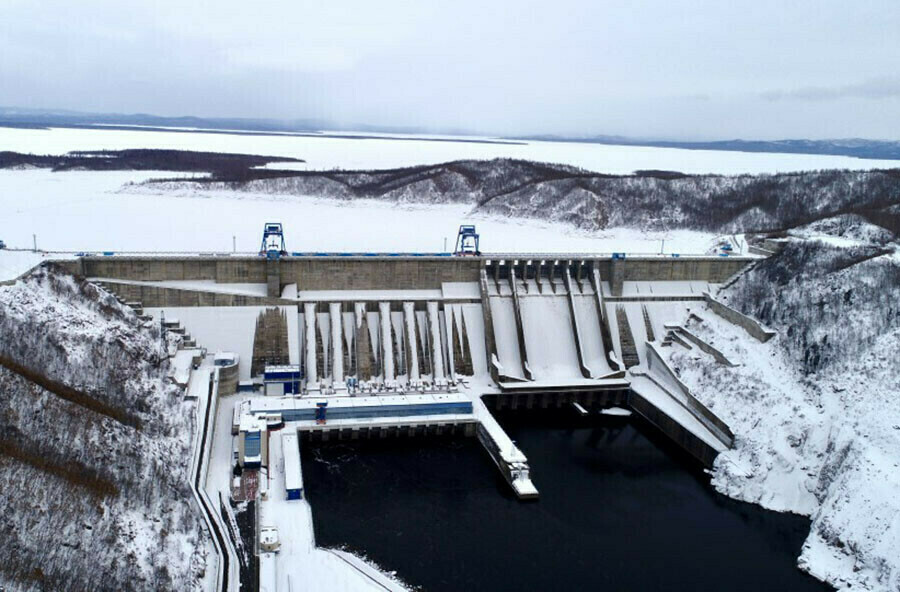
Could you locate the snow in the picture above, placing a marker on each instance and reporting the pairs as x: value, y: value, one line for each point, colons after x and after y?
x: 337, y: 352
x: 197, y: 286
x: 366, y: 295
x: 437, y: 357
x: 293, y: 476
x: 198, y: 385
x: 15, y: 263
x: 472, y: 313
x: 673, y: 288
x: 506, y: 337
x: 151, y: 519
x: 549, y: 340
x: 667, y: 401
x: 62, y: 209
x: 384, y: 317
x: 616, y: 412
x: 229, y: 328
x: 824, y: 447
x: 591, y: 339
x: 181, y: 365
x: 367, y: 153
x: 461, y: 291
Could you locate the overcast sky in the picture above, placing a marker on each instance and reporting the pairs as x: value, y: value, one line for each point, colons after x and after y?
x: 692, y: 70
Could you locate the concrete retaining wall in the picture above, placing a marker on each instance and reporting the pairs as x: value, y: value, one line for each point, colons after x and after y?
x: 309, y: 273
x: 709, y: 269
x: 751, y: 326
x: 520, y: 328
x: 696, y: 447
x: 657, y: 364
x: 593, y: 399
x: 157, y: 297
x: 490, y: 344
x: 378, y: 273
x: 576, y: 329
x: 228, y: 380
x: 705, y: 347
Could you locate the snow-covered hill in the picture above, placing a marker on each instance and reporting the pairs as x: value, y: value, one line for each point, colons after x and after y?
x: 94, y: 447
x: 815, y: 410
x: 648, y: 200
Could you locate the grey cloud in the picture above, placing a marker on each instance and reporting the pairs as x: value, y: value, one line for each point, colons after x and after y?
x: 649, y: 68
x: 876, y: 88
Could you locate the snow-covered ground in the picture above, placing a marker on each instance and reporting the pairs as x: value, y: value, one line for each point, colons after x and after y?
x: 15, y: 263
x: 367, y: 153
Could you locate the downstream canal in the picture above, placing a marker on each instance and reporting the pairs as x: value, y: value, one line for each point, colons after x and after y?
x: 620, y: 509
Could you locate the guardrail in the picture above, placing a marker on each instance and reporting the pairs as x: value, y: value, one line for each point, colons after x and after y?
x: 483, y: 256
x: 226, y: 572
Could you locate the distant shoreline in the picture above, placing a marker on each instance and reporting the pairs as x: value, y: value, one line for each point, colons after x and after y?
x: 239, y: 132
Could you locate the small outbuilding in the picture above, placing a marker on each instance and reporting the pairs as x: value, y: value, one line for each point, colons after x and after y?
x: 293, y: 476
x: 268, y: 539
x: 253, y: 442
x: 282, y: 380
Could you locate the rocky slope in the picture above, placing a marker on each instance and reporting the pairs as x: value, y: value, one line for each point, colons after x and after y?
x: 94, y: 447
x: 815, y: 410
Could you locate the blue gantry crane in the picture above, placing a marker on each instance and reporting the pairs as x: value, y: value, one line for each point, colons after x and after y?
x: 272, y: 246
x: 467, y: 241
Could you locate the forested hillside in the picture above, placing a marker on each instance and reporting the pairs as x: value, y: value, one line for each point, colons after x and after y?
x: 654, y: 200
x: 94, y: 447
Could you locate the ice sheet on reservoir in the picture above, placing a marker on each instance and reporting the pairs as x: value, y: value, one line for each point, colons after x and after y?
x: 62, y: 209
x: 326, y: 153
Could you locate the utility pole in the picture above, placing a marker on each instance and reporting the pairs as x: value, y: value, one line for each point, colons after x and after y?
x: 662, y: 247
x: 445, y: 244
x: 233, y: 244
x: 34, y: 240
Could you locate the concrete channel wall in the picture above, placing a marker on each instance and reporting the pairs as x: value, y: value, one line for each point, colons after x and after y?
x: 151, y: 296
x: 751, y: 326
x: 576, y: 329
x: 657, y: 365
x: 693, y: 445
x: 704, y: 346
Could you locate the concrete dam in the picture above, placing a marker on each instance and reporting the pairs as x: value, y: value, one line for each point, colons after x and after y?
x: 351, y: 345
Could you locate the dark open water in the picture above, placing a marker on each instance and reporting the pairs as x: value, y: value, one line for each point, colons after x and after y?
x: 620, y: 509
